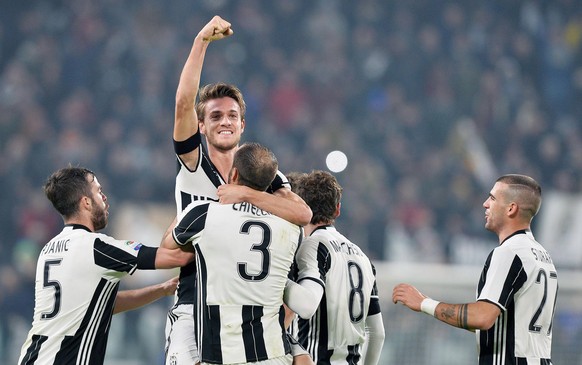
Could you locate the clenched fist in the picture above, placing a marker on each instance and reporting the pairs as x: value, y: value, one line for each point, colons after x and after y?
x: 216, y: 29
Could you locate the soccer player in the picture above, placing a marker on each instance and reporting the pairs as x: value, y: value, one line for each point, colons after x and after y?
x: 219, y: 114
x: 243, y: 256
x: 341, y: 277
x: 78, y: 274
x: 518, y: 287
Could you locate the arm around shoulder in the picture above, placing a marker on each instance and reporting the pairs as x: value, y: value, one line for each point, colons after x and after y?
x: 169, y: 258
x: 283, y: 202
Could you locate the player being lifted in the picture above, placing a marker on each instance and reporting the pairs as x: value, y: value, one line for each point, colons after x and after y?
x: 219, y: 115
x: 243, y: 256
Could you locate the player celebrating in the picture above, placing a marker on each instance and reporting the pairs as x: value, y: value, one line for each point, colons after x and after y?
x: 78, y: 274
x: 219, y: 114
x: 243, y: 255
x: 518, y: 288
x: 328, y: 261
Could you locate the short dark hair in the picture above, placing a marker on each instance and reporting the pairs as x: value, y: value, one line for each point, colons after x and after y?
x: 65, y: 187
x: 322, y: 192
x: 217, y: 91
x: 294, y: 178
x: 525, y: 191
x: 256, y: 165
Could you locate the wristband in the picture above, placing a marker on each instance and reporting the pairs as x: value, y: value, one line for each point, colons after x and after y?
x: 428, y: 306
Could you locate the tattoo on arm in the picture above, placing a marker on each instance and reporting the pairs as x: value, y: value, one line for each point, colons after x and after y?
x: 463, y: 316
x: 448, y: 312
x: 456, y: 313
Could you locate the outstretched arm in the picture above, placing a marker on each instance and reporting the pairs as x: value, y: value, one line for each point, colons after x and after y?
x: 169, y: 258
x: 470, y: 316
x: 136, y: 298
x: 185, y: 119
x: 283, y: 202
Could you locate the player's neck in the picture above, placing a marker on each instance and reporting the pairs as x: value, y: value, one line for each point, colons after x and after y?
x: 510, y: 230
x: 222, y: 159
x: 308, y: 229
x: 86, y: 222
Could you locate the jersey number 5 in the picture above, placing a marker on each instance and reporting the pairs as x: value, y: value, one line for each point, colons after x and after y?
x: 46, y: 283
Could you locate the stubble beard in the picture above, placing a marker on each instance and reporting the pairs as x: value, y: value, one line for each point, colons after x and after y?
x: 225, y: 147
x: 99, y: 219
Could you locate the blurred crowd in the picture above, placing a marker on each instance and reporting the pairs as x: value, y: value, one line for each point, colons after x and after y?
x: 430, y: 100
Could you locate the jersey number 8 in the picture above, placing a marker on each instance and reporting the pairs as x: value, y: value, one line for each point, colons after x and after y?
x: 356, y: 297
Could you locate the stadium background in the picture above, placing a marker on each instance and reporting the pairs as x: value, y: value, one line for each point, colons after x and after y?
x: 429, y: 99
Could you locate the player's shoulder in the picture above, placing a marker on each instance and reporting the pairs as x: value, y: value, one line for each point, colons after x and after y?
x: 104, y: 238
x: 321, y: 234
x: 518, y: 242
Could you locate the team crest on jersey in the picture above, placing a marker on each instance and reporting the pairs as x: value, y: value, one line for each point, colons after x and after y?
x: 136, y: 245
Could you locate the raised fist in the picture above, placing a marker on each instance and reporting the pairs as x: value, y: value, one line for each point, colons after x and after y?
x: 217, y: 28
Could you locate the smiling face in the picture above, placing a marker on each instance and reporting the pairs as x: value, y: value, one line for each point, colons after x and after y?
x: 223, y: 124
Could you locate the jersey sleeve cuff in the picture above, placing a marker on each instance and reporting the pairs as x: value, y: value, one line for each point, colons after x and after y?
x: 146, y: 258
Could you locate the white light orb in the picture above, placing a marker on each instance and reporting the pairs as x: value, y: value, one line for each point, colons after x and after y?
x: 336, y: 161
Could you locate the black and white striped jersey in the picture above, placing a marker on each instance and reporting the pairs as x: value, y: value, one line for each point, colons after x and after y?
x: 243, y: 256
x: 336, y: 332
x: 200, y: 184
x: 77, y: 278
x: 520, y: 278
x: 196, y: 185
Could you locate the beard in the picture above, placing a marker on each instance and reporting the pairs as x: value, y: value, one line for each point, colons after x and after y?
x: 98, y: 217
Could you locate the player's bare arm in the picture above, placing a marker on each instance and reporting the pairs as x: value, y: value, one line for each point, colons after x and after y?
x: 470, y: 316
x: 167, y: 239
x: 185, y: 119
x: 169, y: 258
x: 136, y: 298
x: 283, y: 203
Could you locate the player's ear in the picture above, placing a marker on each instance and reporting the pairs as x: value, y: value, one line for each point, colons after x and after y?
x: 512, y: 209
x: 85, y: 203
x: 338, y: 209
x: 202, y: 127
x: 242, y: 125
x: 233, y: 176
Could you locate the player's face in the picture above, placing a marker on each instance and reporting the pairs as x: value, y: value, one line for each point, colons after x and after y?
x: 223, y: 124
x: 495, y: 208
x: 100, y: 206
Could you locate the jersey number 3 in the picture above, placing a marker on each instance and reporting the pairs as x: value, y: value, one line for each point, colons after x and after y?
x: 261, y: 247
